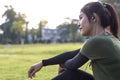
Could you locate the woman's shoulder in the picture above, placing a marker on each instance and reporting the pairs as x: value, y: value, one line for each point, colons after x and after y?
x: 100, y: 39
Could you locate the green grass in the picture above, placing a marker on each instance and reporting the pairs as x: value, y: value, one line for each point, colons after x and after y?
x: 15, y: 60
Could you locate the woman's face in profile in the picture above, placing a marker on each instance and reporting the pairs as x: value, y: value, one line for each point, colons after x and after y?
x: 84, y: 25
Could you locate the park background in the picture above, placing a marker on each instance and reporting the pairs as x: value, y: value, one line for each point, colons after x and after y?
x: 22, y: 44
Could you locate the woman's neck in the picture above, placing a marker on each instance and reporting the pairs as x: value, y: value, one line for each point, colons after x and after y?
x: 98, y: 30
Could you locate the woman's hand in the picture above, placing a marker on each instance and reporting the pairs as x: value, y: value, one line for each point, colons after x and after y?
x: 34, y: 68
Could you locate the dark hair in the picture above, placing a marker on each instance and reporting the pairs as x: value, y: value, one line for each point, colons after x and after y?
x: 106, y: 13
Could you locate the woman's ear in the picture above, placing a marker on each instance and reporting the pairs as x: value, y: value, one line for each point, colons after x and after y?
x: 94, y: 18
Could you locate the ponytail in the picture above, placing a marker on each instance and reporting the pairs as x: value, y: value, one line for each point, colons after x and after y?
x: 114, y: 25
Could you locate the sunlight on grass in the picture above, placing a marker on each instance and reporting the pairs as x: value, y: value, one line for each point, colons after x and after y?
x: 16, y: 60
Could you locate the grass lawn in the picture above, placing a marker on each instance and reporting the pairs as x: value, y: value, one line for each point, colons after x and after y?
x: 15, y: 60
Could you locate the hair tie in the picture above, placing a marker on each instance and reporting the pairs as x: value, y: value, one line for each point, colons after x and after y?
x: 104, y: 5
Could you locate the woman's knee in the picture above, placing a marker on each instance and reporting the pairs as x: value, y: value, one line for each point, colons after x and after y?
x: 74, y: 75
x: 65, y: 75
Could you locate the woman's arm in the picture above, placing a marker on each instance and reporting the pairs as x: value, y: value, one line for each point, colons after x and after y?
x: 76, y: 62
x: 60, y: 59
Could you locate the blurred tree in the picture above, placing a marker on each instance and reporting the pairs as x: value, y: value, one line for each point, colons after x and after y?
x: 9, y: 13
x: 33, y: 32
x: 17, y: 31
x: 41, y: 24
x: 21, y: 17
x: 10, y: 17
x: 68, y: 30
x: 108, y: 1
x: 12, y: 24
x: 73, y: 29
x: 64, y: 32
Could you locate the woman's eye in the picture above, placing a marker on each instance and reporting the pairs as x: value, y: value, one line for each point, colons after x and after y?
x: 80, y: 18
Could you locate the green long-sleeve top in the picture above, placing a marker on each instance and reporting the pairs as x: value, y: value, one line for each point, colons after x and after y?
x: 104, y: 53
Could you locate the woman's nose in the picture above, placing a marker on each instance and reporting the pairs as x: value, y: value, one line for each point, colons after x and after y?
x: 78, y: 23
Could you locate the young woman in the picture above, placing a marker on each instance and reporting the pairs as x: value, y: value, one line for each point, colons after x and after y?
x: 103, y: 48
